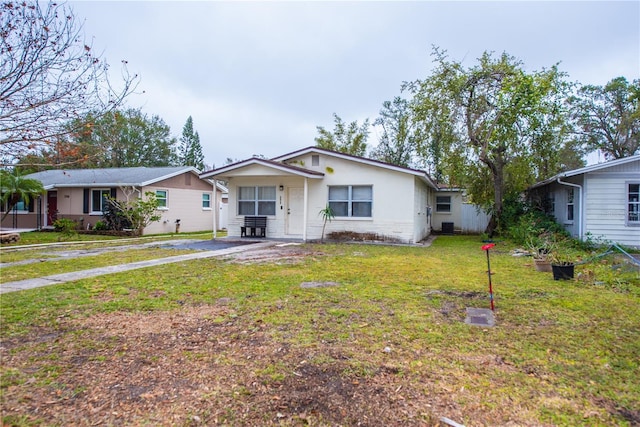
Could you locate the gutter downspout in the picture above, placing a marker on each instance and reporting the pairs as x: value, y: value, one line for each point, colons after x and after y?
x: 579, y: 187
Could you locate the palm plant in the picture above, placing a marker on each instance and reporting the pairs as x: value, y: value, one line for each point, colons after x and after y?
x: 327, y: 215
x: 15, y: 187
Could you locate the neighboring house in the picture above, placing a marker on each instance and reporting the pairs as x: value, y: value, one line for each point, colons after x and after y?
x: 79, y: 195
x: 601, y: 201
x: 452, y: 213
x: 367, y: 196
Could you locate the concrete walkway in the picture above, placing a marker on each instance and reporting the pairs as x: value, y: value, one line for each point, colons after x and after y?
x: 55, y: 279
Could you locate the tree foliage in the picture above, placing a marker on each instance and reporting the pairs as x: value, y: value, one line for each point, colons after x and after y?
x: 346, y: 138
x: 125, y: 138
x: 608, y: 117
x: 500, y: 128
x: 190, y: 150
x: 15, y: 187
x: 398, y: 140
x: 49, y: 75
x: 133, y: 212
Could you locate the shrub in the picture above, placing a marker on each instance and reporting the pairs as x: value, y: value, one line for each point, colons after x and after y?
x: 65, y: 225
x: 100, y: 226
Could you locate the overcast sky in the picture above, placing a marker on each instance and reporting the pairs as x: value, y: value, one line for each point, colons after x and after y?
x: 258, y: 77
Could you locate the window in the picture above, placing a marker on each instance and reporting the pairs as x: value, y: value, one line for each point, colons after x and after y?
x: 633, y: 208
x: 206, y: 201
x: 351, y: 200
x: 21, y: 206
x: 99, y: 199
x: 315, y: 160
x: 257, y: 200
x: 443, y: 203
x: 570, y: 204
x: 161, y: 197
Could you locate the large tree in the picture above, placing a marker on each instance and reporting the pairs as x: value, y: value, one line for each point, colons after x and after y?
x: 608, y: 117
x: 397, y: 143
x: 346, y: 138
x: 49, y: 75
x: 122, y: 139
x: 500, y: 127
x: 190, y: 150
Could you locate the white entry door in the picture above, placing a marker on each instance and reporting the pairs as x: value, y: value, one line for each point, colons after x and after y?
x: 295, y: 211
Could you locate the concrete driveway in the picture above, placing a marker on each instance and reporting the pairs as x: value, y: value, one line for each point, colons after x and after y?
x: 207, y: 248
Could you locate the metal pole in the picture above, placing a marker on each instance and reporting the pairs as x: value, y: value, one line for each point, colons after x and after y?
x: 486, y: 248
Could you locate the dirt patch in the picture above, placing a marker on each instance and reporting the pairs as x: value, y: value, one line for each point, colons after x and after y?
x: 201, y: 365
x: 278, y: 254
x: 308, y: 285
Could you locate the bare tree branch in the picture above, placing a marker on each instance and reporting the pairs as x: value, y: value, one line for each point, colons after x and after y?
x: 49, y: 76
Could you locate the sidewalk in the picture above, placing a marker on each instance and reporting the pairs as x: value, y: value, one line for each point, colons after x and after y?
x: 55, y: 279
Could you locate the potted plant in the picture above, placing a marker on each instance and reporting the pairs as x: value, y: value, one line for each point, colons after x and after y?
x: 540, y: 248
x: 562, y: 264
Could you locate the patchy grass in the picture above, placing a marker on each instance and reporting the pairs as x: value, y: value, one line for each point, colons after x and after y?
x: 40, y: 237
x: 49, y: 264
x: 239, y: 342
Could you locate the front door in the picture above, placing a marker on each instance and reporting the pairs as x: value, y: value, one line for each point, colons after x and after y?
x: 295, y: 211
x: 52, y: 207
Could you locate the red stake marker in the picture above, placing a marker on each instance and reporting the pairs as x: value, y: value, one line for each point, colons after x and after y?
x: 486, y: 248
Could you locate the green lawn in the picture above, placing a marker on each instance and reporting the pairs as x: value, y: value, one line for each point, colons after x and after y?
x: 242, y: 343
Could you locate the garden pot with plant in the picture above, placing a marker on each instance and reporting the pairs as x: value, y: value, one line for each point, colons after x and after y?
x: 540, y: 250
x: 542, y: 264
x: 562, y: 265
x: 563, y: 271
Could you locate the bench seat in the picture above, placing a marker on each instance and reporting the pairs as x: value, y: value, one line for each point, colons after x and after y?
x: 252, y: 224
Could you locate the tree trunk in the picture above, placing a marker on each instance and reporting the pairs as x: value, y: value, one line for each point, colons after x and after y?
x: 497, y: 174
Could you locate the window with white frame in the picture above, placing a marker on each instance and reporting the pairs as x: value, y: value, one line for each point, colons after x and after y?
x: 206, y: 201
x: 162, y: 198
x: 570, y: 204
x: 351, y: 200
x: 443, y: 204
x: 257, y: 200
x: 315, y: 160
x: 99, y: 199
x: 633, y: 206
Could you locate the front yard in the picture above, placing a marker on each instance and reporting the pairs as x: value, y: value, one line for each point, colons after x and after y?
x: 253, y: 340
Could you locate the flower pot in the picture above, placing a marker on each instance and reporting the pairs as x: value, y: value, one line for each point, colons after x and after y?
x: 562, y: 271
x: 542, y: 265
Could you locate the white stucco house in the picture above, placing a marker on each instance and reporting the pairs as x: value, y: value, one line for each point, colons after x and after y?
x: 367, y: 196
x: 79, y: 195
x: 601, y: 201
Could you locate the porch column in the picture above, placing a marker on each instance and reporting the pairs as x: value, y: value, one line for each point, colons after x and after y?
x: 214, y: 207
x: 304, y: 215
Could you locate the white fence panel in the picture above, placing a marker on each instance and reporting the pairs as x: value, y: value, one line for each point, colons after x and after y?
x: 474, y: 219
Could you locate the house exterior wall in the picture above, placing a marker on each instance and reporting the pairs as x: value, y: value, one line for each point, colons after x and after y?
x: 561, y: 195
x: 394, y: 204
x: 276, y: 223
x: 454, y: 216
x: 606, y: 198
x: 184, y: 205
x: 423, y: 200
x: 600, y: 208
x: 184, y: 200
